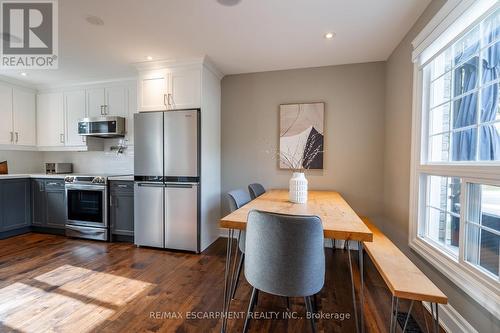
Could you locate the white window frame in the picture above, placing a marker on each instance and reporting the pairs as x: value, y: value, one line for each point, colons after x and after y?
x: 481, y: 286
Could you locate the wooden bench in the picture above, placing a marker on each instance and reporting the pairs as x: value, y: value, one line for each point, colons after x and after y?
x: 402, y: 277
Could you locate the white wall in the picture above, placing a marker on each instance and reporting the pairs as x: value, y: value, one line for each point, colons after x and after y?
x: 23, y: 161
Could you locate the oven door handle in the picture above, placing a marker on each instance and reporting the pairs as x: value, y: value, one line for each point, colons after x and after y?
x: 85, y: 187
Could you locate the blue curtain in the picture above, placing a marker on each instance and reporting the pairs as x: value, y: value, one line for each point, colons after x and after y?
x: 464, y: 143
x: 489, y: 136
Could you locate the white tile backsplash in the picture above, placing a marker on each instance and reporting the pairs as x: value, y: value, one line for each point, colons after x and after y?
x: 95, y: 162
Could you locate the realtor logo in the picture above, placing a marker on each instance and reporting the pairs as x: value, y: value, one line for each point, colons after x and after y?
x: 29, y: 34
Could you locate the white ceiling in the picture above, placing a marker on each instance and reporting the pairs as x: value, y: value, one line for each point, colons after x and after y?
x: 251, y: 36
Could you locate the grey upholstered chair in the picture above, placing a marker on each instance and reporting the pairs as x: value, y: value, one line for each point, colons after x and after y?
x: 284, y: 256
x: 256, y: 190
x: 236, y: 199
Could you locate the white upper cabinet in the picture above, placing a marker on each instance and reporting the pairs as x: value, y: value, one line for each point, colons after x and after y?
x: 24, y: 114
x: 152, y: 90
x: 95, y: 102
x: 6, y: 132
x: 116, y: 98
x: 185, y: 89
x: 107, y: 101
x: 167, y: 89
x: 74, y: 106
x: 50, y: 119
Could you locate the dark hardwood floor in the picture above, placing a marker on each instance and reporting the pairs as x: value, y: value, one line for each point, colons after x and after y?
x: 53, y: 283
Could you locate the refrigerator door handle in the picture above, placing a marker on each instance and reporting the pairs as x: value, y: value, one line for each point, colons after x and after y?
x: 181, y: 185
x: 150, y: 185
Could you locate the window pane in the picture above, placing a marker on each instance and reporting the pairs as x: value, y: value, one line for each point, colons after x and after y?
x: 439, y: 148
x: 467, y: 46
x: 441, y: 64
x: 482, y: 248
x: 443, y: 211
x: 440, y: 90
x: 490, y: 103
x: 489, y: 149
x: 465, y: 111
x: 444, y: 193
x: 466, y: 77
x: 490, y: 62
x: 491, y: 28
x: 482, y: 245
x: 439, y: 121
x: 464, y: 145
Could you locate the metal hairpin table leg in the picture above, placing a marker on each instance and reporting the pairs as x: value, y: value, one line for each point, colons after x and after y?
x: 408, y: 316
x: 352, y: 286
x: 362, y: 287
x: 395, y: 314
x: 227, y: 281
x: 437, y: 318
x: 392, y: 314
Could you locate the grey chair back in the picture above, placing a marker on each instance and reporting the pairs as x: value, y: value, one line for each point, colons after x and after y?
x: 256, y: 190
x: 284, y: 254
x: 236, y: 199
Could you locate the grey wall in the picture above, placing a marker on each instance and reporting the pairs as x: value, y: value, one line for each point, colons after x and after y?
x: 397, y: 153
x: 354, y: 121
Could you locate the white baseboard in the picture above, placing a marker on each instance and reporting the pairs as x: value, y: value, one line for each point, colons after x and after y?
x: 450, y: 320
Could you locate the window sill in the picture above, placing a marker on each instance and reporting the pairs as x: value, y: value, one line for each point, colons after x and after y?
x: 482, y: 289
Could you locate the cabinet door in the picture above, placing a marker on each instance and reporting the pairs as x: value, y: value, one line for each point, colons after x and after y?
x: 24, y: 112
x: 116, y: 101
x: 15, y: 194
x: 38, y: 201
x: 74, y: 104
x: 6, y: 132
x: 95, y: 102
x: 185, y: 89
x: 122, y: 213
x: 55, y: 207
x: 153, y: 90
x: 50, y: 119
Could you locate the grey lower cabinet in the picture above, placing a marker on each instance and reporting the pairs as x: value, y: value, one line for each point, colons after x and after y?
x: 15, y: 212
x: 48, y: 203
x: 121, y: 210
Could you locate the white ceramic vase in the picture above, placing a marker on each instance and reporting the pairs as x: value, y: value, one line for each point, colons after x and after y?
x: 298, y: 188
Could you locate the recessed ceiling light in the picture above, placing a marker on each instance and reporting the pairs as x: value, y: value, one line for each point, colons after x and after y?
x: 24, y: 73
x: 329, y: 35
x: 94, y: 20
x: 149, y: 57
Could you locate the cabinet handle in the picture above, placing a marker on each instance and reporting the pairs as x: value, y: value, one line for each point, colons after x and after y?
x: 170, y: 100
x: 122, y: 186
x: 61, y: 138
x: 102, y: 112
x: 17, y: 137
x: 110, y: 201
x: 165, y: 100
x: 83, y: 139
x: 12, y: 137
x: 105, y: 109
x: 52, y: 184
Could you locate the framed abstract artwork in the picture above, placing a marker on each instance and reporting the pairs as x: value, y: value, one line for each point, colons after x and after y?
x: 301, y: 136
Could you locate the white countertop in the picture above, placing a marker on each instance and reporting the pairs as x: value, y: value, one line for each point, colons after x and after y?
x: 58, y: 176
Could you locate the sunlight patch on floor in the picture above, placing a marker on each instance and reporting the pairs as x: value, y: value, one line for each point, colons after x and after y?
x: 66, y: 299
x: 104, y: 287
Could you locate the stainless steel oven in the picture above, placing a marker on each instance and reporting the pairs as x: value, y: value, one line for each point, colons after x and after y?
x: 87, y: 207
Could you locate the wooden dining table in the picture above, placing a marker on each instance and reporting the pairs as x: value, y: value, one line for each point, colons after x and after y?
x: 339, y: 220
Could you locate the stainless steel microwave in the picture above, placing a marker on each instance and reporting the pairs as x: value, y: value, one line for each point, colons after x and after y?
x: 102, y: 127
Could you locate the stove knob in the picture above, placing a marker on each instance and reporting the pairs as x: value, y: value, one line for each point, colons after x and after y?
x: 69, y: 179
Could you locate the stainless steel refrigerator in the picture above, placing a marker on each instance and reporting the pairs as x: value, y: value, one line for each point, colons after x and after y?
x: 166, y: 174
